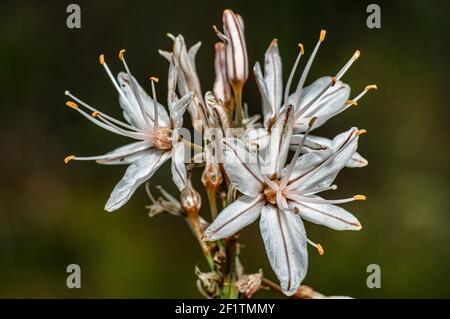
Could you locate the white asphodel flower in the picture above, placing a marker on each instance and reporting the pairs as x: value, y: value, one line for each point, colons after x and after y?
x: 323, y: 99
x: 283, y: 196
x: 147, y: 122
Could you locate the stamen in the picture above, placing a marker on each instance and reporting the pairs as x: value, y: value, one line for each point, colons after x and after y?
x: 312, y: 191
x: 291, y: 75
x: 366, y: 89
x: 360, y: 132
x: 121, y: 52
x: 133, y: 87
x: 113, y: 80
x: 97, y: 112
x: 316, y: 98
x: 322, y: 35
x: 302, y: 51
x: 318, y: 200
x: 154, y: 79
x: 135, y: 135
x: 351, y: 102
x: 69, y: 158
x: 305, y: 72
x: 72, y: 105
x: 291, y: 166
x: 350, y: 139
x: 347, y: 66
x: 271, y: 184
x: 320, y: 249
x: 317, y: 246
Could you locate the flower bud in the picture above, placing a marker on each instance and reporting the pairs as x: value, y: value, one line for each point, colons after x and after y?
x: 221, y: 88
x: 190, y: 199
x: 212, y: 176
x: 187, y: 79
x: 235, y: 48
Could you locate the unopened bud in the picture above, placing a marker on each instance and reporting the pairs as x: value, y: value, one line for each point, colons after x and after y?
x: 190, y: 199
x: 236, y: 49
x: 212, y: 176
x: 221, y: 88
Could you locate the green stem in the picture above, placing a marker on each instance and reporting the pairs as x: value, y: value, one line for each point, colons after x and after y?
x: 212, y: 198
x: 193, y: 220
x: 237, y: 90
x: 229, y: 289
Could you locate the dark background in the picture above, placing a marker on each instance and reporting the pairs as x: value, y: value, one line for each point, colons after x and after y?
x: 51, y: 215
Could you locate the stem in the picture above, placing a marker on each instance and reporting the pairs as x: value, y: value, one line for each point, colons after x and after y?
x: 229, y: 290
x: 194, y: 147
x: 193, y: 221
x: 304, y: 292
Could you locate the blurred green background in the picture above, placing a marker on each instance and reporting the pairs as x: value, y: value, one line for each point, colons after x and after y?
x: 51, y: 215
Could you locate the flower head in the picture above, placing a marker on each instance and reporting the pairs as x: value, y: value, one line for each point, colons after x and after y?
x: 148, y: 123
x: 284, y: 195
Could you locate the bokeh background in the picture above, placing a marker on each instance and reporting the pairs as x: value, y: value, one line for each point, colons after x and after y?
x: 51, y: 214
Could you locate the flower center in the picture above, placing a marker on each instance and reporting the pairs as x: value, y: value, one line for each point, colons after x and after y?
x: 161, y: 138
x: 271, y: 194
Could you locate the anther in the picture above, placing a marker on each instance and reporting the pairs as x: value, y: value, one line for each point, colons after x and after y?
x: 121, y: 52
x: 333, y: 79
x: 320, y: 249
x: 154, y: 79
x: 322, y: 35
x: 371, y: 87
x: 356, y: 54
x: 72, y: 105
x: 101, y: 58
x: 94, y: 114
x: 359, y: 197
x: 302, y: 50
x: 312, y: 121
x: 69, y: 158
x: 351, y: 102
x: 360, y: 132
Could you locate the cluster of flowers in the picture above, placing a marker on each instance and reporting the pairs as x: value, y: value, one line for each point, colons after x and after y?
x: 252, y: 160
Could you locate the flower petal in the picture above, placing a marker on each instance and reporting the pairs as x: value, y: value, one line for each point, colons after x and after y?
x: 136, y: 174
x: 177, y: 110
x: 188, y: 80
x: 178, y: 167
x: 241, y: 167
x: 330, y: 104
x: 328, y: 215
x: 318, y: 143
x: 280, y: 137
x: 126, y: 154
x: 256, y: 137
x: 273, y: 76
x: 242, y: 212
x: 263, y: 90
x: 285, y: 241
x: 132, y: 113
x: 322, y: 170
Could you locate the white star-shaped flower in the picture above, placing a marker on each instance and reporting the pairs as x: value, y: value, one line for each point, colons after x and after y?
x: 148, y: 122
x: 323, y: 99
x: 283, y: 196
